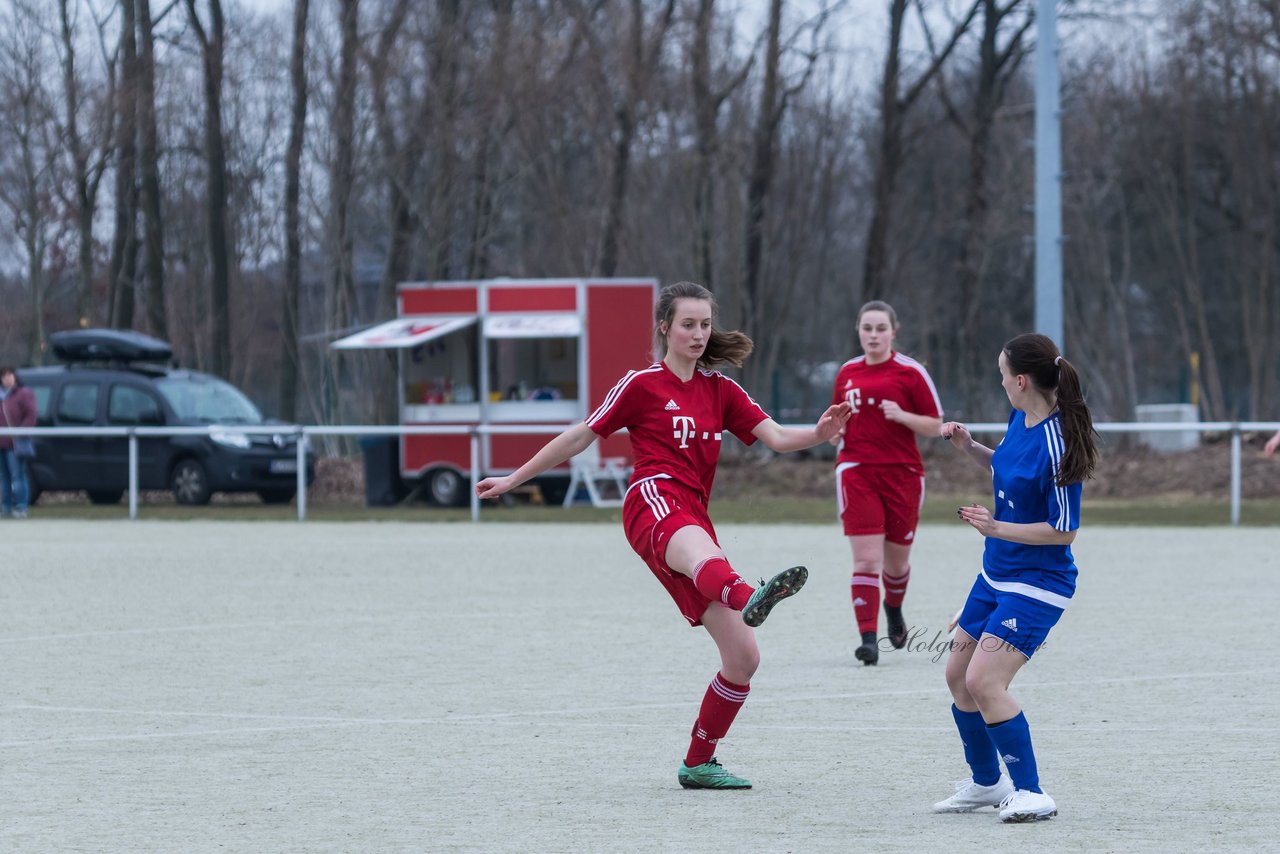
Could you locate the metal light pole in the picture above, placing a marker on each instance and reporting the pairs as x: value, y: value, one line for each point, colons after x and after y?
x: 1048, y: 320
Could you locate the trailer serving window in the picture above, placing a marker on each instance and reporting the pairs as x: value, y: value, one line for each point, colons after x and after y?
x: 533, y: 364
x: 439, y: 364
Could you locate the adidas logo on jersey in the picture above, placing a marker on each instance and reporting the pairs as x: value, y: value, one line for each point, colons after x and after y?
x: 1011, y: 624
x: 671, y: 406
x: 1009, y: 759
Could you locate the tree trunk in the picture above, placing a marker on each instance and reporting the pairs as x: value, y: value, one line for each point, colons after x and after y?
x: 221, y: 243
x: 342, y: 289
x: 149, y: 156
x: 124, y: 246
x: 761, y: 175
x: 888, y: 163
x: 80, y: 172
x: 290, y: 363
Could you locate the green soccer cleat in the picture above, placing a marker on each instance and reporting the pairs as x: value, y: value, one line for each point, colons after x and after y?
x: 784, y: 584
x: 709, y: 775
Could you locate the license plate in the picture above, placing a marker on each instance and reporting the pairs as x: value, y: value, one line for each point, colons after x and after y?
x: 283, y: 467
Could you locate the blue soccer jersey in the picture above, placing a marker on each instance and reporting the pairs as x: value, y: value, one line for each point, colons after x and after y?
x: 1024, y: 469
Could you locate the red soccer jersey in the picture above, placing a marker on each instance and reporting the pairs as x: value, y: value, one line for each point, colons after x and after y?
x: 870, y: 437
x: 676, y: 426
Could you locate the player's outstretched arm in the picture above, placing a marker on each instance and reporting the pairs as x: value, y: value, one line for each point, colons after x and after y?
x: 568, y: 444
x: 959, y: 436
x: 784, y: 439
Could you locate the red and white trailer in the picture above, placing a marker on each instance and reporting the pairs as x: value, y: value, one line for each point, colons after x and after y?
x: 507, y: 352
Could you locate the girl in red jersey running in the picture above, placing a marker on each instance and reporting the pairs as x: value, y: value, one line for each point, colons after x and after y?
x: 879, y: 472
x: 676, y: 412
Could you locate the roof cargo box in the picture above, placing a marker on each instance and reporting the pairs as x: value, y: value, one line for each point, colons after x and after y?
x: 108, y: 345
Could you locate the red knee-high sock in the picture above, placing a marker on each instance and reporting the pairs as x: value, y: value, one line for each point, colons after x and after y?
x: 865, y: 590
x: 895, y: 588
x: 719, y: 707
x: 716, y: 580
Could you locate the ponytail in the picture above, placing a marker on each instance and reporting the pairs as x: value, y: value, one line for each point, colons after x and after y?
x: 1081, y: 454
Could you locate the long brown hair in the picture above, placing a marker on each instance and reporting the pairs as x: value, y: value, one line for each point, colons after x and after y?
x: 722, y: 347
x: 1038, y: 357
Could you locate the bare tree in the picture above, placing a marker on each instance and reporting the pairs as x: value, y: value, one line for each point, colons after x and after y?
x: 124, y: 245
x: 88, y: 149
x: 708, y: 99
x: 896, y: 98
x: 149, y: 157
x: 221, y: 242
x: 290, y: 364
x: 341, y: 291
x: 998, y: 66
x: 634, y: 60
x: 761, y: 315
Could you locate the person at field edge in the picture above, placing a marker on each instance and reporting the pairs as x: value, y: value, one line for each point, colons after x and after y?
x: 879, y: 471
x: 1028, y: 574
x: 17, y: 409
x: 677, y: 411
x: 1274, y: 442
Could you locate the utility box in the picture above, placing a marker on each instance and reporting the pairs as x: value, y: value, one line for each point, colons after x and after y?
x: 1166, y: 440
x: 513, y: 353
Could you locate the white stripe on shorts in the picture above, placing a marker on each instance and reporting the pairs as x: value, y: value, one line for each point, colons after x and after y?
x: 658, y: 504
x: 1048, y: 597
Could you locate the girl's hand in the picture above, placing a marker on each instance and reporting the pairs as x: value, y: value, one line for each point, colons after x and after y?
x: 832, y: 423
x: 892, y: 411
x: 492, y: 487
x: 957, y: 434
x: 979, y: 517
x: 1274, y: 442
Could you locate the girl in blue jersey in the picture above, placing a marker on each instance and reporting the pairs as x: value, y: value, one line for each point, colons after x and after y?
x: 1028, y: 574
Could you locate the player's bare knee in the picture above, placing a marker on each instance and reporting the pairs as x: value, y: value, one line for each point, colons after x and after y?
x: 867, y: 566
x: 984, y: 688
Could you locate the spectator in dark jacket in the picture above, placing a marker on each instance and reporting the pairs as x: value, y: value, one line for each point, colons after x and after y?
x: 17, y: 409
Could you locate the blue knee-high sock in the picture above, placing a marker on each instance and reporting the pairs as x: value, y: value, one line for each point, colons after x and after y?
x: 1013, y: 739
x: 979, y: 750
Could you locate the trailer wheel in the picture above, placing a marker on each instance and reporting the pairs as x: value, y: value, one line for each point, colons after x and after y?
x: 553, y: 490
x: 447, y: 488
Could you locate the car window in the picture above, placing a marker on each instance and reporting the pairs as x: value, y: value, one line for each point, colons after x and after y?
x: 78, y: 403
x: 43, y: 394
x: 208, y: 400
x: 131, y: 405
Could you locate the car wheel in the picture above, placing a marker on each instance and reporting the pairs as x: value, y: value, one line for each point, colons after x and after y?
x: 276, y: 496
x: 108, y: 496
x: 447, y: 488
x: 190, y: 483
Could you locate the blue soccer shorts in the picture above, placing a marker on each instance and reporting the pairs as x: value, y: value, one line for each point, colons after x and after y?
x: 1019, y: 621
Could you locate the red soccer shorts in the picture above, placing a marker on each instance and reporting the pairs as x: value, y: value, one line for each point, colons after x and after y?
x: 880, y: 500
x: 653, y: 511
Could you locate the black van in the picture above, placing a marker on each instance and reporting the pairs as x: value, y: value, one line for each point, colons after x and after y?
x: 115, y: 378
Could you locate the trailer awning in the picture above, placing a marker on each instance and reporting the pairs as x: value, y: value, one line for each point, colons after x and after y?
x: 404, y: 332
x: 542, y: 325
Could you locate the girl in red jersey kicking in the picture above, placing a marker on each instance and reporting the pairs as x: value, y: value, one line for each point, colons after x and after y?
x: 677, y: 412
x: 879, y: 472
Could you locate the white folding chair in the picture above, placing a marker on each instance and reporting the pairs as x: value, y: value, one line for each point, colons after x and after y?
x: 588, y: 469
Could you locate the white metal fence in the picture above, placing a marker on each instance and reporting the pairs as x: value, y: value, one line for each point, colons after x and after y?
x: 1234, y: 429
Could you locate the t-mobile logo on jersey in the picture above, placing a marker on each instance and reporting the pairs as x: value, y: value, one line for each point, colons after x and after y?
x: 854, y: 396
x: 685, y: 429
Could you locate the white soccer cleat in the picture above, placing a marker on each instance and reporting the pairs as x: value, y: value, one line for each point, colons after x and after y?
x: 970, y: 796
x: 1022, y: 805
